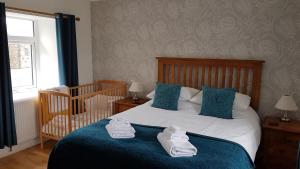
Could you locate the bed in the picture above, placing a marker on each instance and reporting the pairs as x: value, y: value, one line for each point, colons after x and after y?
x: 221, y: 143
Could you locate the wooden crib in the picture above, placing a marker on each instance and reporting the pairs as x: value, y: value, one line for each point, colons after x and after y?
x: 63, y: 111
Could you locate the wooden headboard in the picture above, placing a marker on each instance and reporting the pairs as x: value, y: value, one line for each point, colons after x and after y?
x: 243, y: 75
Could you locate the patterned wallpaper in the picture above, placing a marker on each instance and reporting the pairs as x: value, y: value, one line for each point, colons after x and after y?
x: 128, y: 35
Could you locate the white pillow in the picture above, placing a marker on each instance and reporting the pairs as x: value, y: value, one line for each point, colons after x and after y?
x: 197, y: 98
x: 186, y: 93
x: 241, y: 101
x: 151, y: 94
x: 185, y: 106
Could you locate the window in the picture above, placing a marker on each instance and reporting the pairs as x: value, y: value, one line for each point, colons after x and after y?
x: 22, y: 53
x: 33, y: 53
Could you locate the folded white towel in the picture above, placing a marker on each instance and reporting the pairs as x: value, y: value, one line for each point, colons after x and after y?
x: 175, y: 129
x: 177, y: 149
x: 120, y: 122
x: 123, y: 129
x: 120, y: 133
x: 175, y: 133
x: 175, y: 137
x: 120, y: 128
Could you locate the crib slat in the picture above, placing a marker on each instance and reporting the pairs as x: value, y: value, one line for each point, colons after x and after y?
x: 98, y: 109
x: 93, y: 113
x: 77, y: 107
x: 85, y: 114
x: 51, y: 116
x: 70, y: 112
x: 57, y: 112
x: 65, y: 119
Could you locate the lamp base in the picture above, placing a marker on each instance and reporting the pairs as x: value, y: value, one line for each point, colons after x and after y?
x: 285, y: 117
x: 135, y: 98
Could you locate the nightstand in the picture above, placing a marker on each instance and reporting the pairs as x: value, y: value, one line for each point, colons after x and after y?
x: 280, y: 143
x: 127, y: 103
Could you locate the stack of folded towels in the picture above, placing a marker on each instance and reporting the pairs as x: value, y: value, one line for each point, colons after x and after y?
x: 120, y: 128
x: 175, y: 141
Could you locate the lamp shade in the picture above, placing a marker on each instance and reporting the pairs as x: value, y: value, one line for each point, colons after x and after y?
x: 286, y: 103
x: 136, y: 87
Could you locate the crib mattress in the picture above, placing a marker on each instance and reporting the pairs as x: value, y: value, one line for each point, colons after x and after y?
x: 59, y: 125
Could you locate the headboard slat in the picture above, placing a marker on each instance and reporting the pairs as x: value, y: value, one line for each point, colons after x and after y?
x: 203, y: 75
x: 238, y: 78
x: 216, y: 81
x: 230, y: 77
x: 243, y: 75
x: 209, y: 75
x: 184, y: 75
x: 173, y: 74
x: 196, y: 76
x: 223, y: 76
x: 245, y: 85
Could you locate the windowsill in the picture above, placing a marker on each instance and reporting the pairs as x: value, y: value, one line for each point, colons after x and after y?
x: 24, y: 96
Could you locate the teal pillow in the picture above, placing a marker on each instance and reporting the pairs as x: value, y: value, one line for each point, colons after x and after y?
x: 217, y: 102
x: 166, y: 96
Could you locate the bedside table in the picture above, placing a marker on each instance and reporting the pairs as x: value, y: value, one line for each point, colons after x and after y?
x: 127, y: 103
x: 280, y: 143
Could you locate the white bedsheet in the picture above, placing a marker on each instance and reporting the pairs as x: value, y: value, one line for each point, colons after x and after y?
x: 244, y: 129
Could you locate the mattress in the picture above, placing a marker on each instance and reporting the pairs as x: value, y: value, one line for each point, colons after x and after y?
x: 100, y: 105
x: 59, y: 125
x: 244, y: 129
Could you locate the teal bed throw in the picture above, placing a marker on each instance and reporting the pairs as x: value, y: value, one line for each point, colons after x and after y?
x: 92, y: 148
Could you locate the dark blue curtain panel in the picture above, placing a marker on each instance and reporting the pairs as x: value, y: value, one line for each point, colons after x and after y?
x: 7, y: 117
x: 67, y: 49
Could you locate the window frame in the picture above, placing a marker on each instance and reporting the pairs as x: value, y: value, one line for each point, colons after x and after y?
x: 33, y: 41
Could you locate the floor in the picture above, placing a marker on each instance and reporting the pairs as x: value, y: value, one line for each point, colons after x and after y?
x: 31, y: 158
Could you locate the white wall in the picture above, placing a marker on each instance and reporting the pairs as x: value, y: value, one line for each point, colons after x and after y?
x: 80, y: 8
x: 25, y: 110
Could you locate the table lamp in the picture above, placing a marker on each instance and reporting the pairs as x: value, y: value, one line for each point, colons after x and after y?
x: 286, y: 104
x: 135, y: 88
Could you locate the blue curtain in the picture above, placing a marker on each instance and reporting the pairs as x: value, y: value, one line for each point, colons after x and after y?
x: 67, y: 49
x: 7, y: 118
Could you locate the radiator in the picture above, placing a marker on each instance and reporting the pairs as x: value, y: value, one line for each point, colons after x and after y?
x: 26, y: 120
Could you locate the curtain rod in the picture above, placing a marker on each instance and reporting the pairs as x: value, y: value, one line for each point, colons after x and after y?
x: 27, y: 11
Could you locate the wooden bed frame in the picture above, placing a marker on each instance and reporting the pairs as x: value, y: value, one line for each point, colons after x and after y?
x: 243, y: 75
x: 61, y: 113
